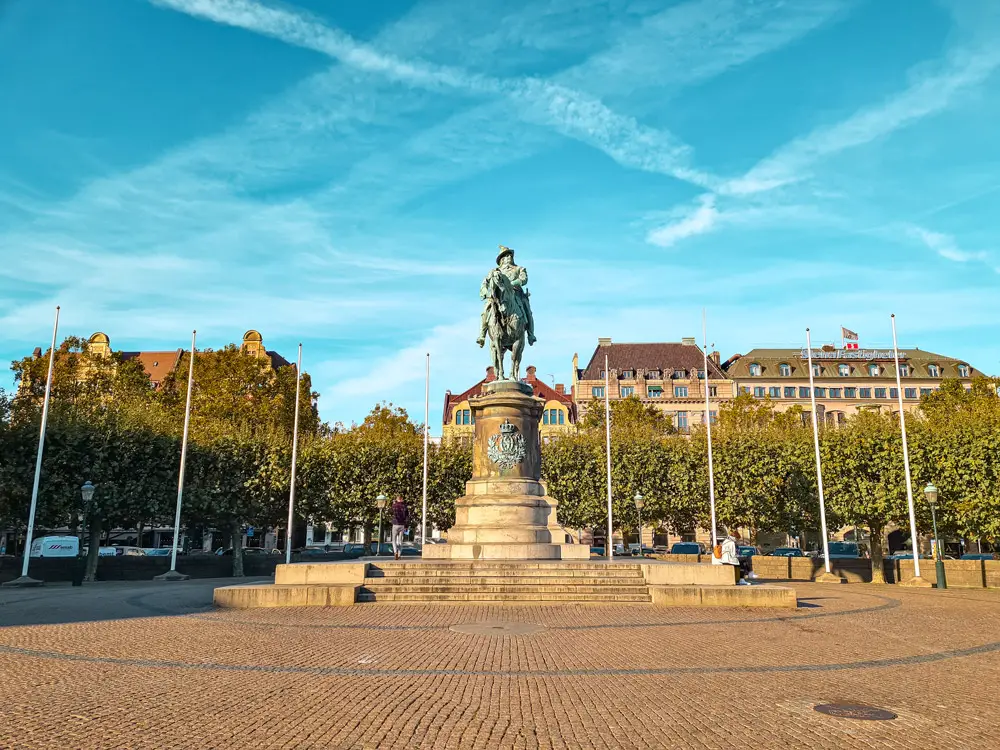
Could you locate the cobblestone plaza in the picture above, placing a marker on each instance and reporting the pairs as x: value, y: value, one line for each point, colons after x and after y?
x: 154, y: 666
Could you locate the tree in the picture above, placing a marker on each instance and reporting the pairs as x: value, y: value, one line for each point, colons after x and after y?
x: 629, y: 416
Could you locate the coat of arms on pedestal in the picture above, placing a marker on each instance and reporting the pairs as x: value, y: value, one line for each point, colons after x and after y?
x: 507, y: 448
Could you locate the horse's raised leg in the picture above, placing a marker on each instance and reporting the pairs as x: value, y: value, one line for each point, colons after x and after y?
x: 515, y: 356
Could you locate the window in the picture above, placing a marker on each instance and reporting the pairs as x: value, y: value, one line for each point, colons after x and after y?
x: 963, y: 371
x: 820, y: 392
x: 713, y: 391
x: 755, y: 370
x: 679, y: 374
x: 880, y: 393
x: 562, y: 416
x: 785, y: 370
x: 681, y: 421
x: 545, y: 416
x: 803, y: 392
x: 910, y: 392
x: 713, y: 417
x: 654, y: 391
x: 817, y: 371
x: 680, y: 391
x: 466, y: 416
x: 843, y: 370
x: 628, y: 373
x: 774, y: 391
x: 850, y: 393
x: 789, y: 391
x: 652, y: 375
x: 597, y: 391
x: 893, y: 393
x: 904, y: 370
x: 701, y: 374
x: 873, y: 371
x: 746, y: 389
x: 552, y: 416
x: 604, y: 373
x: 759, y: 391
x: 934, y: 371
x: 865, y: 392
x: 628, y: 390
x: 835, y: 393
x: 926, y: 391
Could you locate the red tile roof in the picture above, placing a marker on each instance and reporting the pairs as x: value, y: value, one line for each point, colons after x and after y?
x: 156, y: 364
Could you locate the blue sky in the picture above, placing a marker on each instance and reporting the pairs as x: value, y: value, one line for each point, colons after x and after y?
x: 340, y: 173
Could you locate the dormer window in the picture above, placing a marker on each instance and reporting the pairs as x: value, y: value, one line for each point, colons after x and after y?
x: 934, y: 371
x: 653, y: 375
x: 628, y: 373
x: 817, y: 371
x: 873, y: 371
x: 785, y: 370
x: 843, y: 370
x: 678, y: 374
x: 755, y: 370
x: 963, y: 371
x: 904, y: 370
x: 701, y: 374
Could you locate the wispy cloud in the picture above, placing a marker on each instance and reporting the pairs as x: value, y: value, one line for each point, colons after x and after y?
x: 700, y: 220
x: 944, y: 245
x: 931, y: 92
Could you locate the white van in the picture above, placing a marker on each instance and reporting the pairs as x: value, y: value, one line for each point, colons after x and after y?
x: 55, y: 546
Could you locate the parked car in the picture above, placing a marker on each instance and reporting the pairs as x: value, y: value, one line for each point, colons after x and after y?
x: 844, y: 551
x: 905, y: 555
x: 745, y: 552
x: 635, y: 552
x: 599, y: 551
x: 978, y: 556
x: 787, y: 552
x: 158, y: 551
x: 685, y: 548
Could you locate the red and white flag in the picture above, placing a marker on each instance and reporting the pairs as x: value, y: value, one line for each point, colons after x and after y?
x: 848, y: 334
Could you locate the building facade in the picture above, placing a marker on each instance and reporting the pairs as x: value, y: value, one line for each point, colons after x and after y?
x: 558, y: 416
x: 669, y: 376
x: 846, y: 380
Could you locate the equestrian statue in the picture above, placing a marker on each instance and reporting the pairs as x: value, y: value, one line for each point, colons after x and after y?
x: 506, y: 314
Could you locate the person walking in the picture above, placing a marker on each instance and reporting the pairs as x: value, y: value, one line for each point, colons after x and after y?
x: 400, y: 520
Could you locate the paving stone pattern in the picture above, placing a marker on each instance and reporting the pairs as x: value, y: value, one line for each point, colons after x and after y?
x: 399, y: 676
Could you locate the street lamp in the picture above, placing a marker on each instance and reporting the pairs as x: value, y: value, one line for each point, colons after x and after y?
x: 380, y: 501
x: 931, y: 493
x: 87, y: 493
x: 639, y: 502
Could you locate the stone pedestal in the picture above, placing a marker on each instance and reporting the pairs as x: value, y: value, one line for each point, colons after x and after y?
x: 505, y: 513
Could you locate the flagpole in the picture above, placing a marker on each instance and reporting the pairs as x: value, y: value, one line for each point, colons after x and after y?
x: 24, y: 580
x: 708, y: 428
x: 427, y: 429
x: 295, y: 454
x: 607, y: 434
x: 172, y: 574
x: 828, y: 576
x: 917, y: 580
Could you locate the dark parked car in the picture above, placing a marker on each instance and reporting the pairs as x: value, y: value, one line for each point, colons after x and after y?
x: 746, y: 551
x: 599, y: 551
x: 787, y: 552
x: 685, y: 548
x: 844, y: 551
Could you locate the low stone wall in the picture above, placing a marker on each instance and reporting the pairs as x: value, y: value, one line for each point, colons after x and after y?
x: 808, y: 568
x: 683, y: 558
x: 138, y: 568
x: 960, y: 574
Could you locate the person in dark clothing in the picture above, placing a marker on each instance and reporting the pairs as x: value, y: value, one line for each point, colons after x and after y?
x: 400, y: 520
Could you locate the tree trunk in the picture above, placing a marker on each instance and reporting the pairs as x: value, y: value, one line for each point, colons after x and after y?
x: 95, y: 549
x: 878, y: 571
x: 138, y: 536
x: 236, y: 534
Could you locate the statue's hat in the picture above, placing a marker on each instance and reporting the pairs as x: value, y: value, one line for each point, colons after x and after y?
x: 504, y: 250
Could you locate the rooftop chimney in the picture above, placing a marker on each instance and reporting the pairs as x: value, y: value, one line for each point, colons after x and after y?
x: 716, y: 357
x: 531, y: 372
x: 604, y: 341
x: 491, y: 374
x: 561, y: 388
x: 688, y: 341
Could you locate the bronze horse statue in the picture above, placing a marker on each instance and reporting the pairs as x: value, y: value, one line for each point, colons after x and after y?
x: 506, y: 323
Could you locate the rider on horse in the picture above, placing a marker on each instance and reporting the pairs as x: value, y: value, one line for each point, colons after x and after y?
x: 515, y: 302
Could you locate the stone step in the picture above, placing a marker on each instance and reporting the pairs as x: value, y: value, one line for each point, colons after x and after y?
x: 506, y: 566
x: 537, y: 589
x: 500, y: 581
x: 479, y: 596
x: 577, y: 575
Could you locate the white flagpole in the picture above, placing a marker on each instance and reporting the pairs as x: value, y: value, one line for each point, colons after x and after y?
x: 819, y: 467
x: 906, y: 457
x: 607, y: 431
x: 180, y: 477
x: 708, y: 428
x: 41, y: 449
x: 427, y: 429
x: 295, y: 456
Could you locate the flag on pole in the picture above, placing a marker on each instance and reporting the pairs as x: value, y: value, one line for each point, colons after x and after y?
x: 848, y: 334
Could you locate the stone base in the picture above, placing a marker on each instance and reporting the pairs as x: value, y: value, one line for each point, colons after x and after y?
x: 171, y: 575
x: 724, y: 596
x: 280, y: 595
x: 506, y: 551
x: 917, y: 583
x: 829, y: 578
x: 23, y: 582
